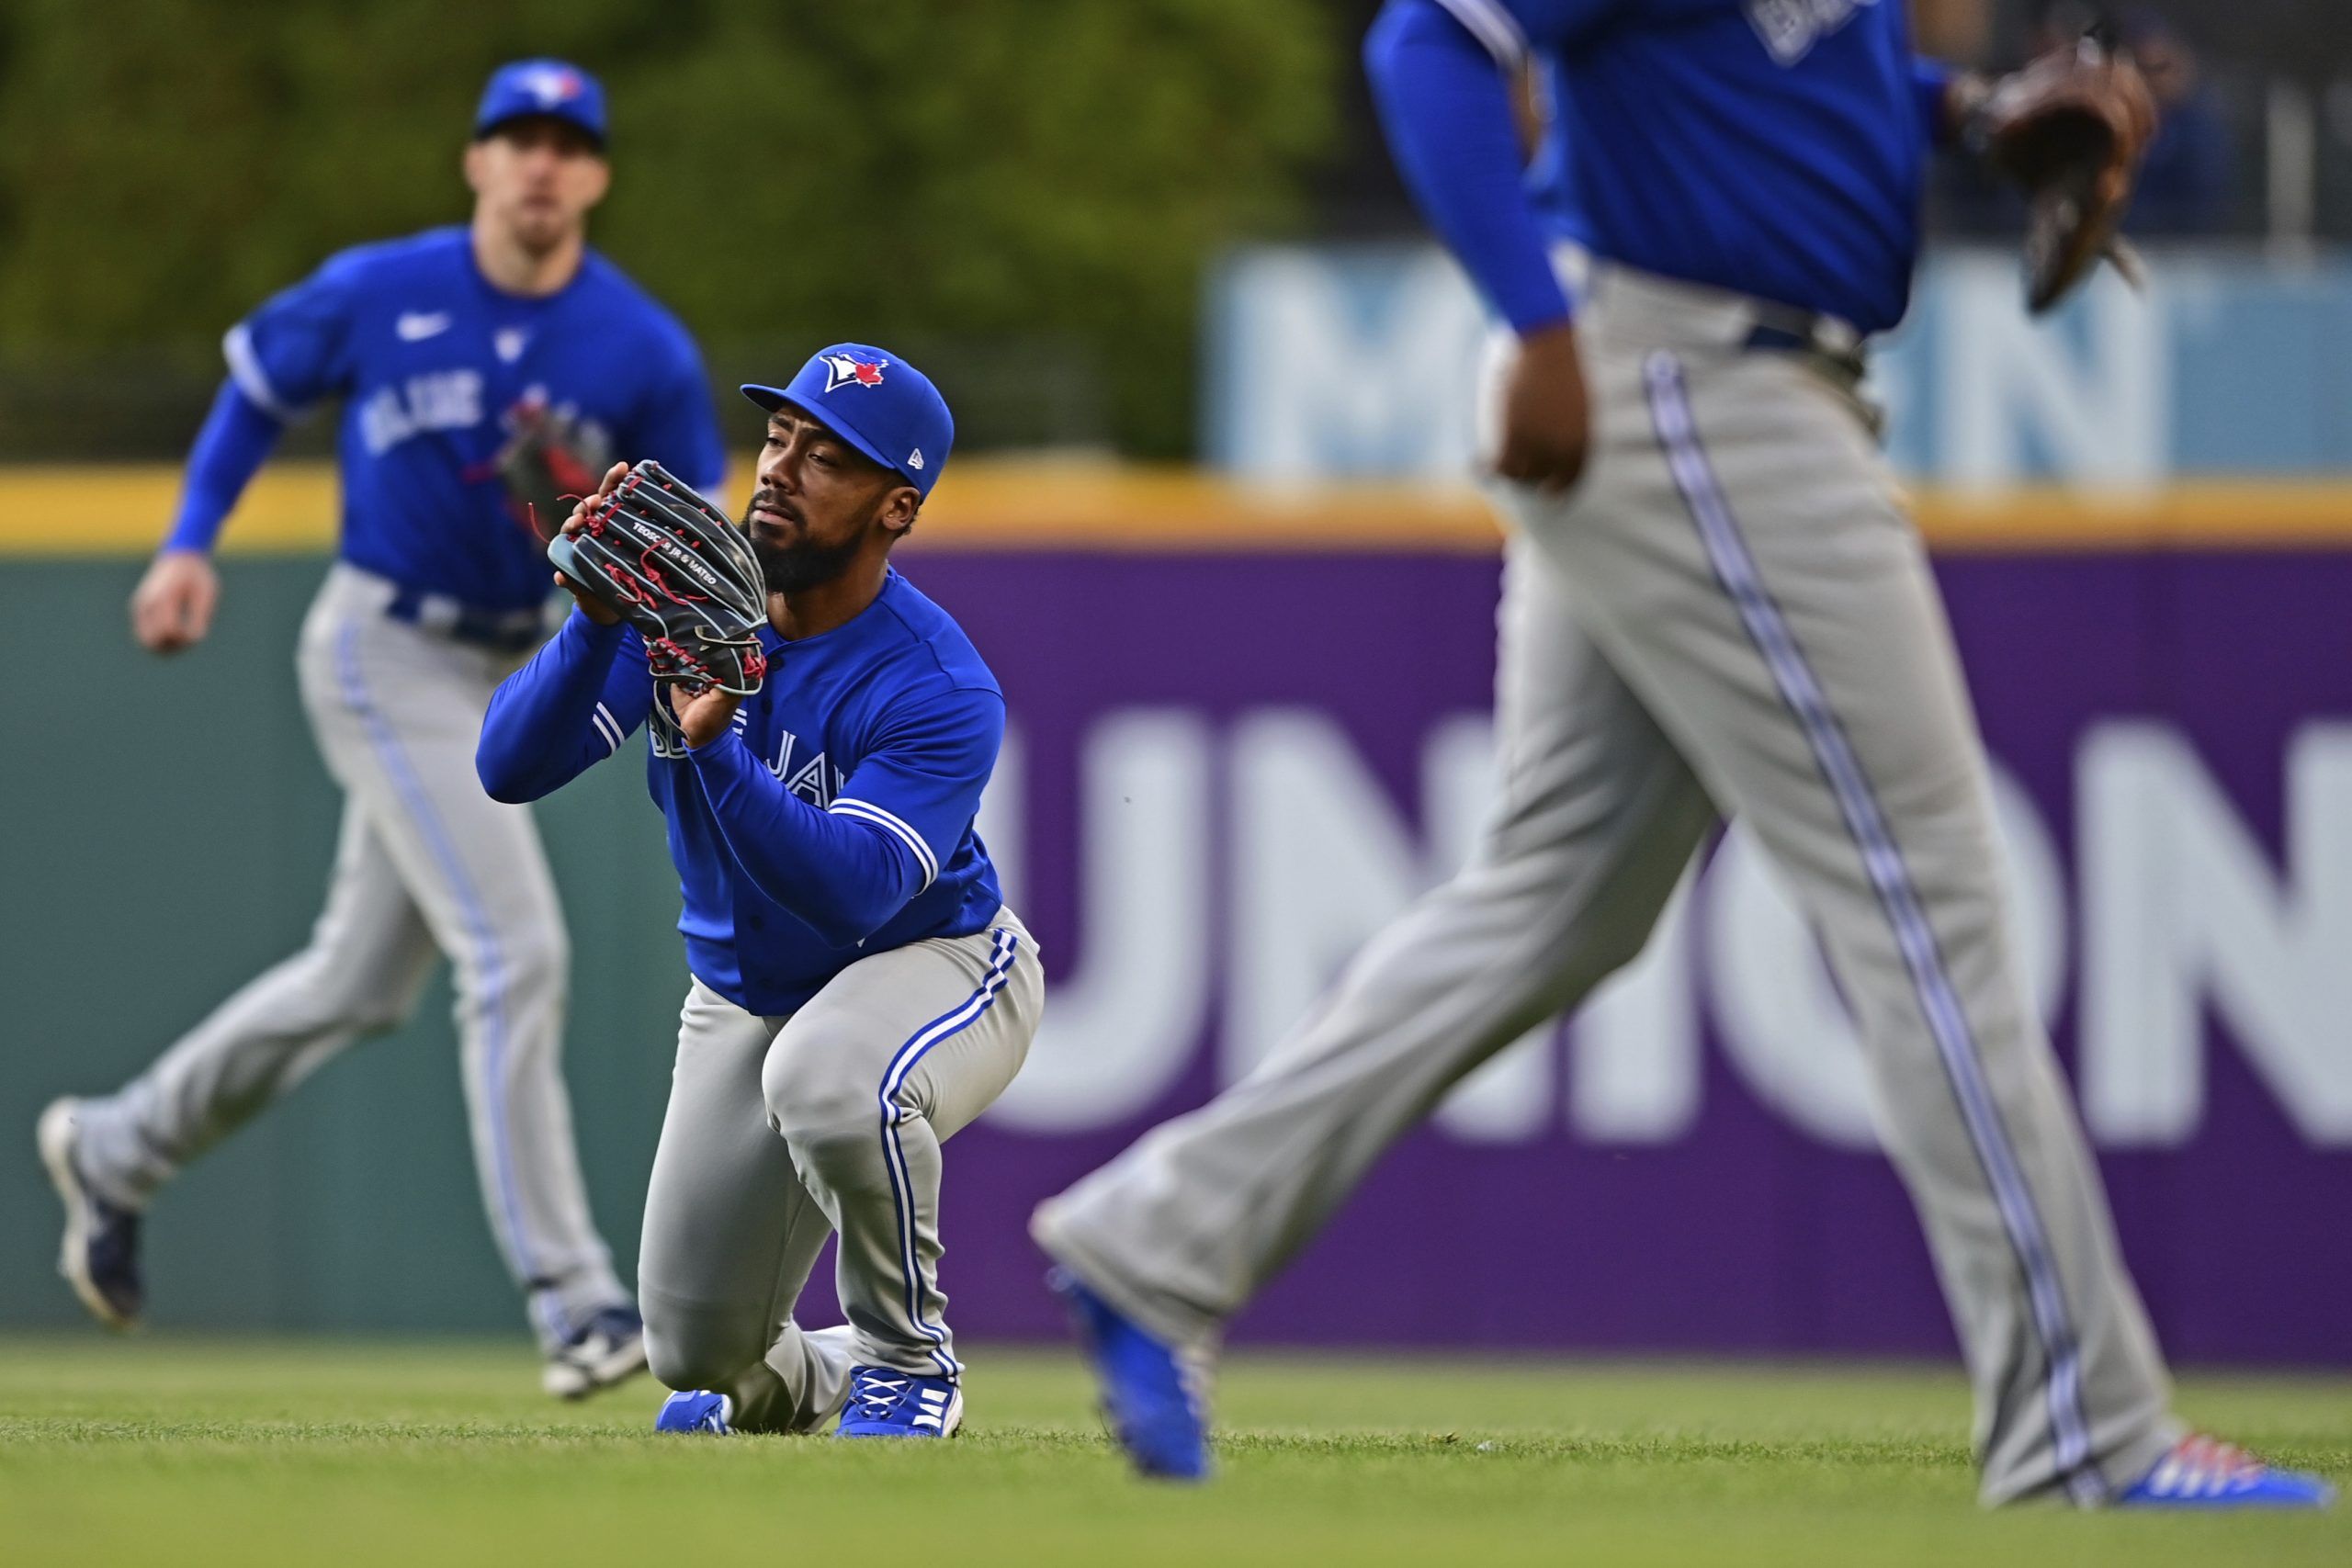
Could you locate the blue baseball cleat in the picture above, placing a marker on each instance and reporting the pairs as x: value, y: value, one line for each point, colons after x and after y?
x: 608, y: 1348
x: 1148, y: 1394
x: 695, y: 1410
x: 2202, y: 1473
x: 886, y: 1402
x: 99, y: 1255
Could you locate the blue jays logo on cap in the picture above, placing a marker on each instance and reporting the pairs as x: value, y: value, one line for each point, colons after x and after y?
x: 876, y: 404
x: 551, y: 85
x: 556, y: 88
x: 843, y: 370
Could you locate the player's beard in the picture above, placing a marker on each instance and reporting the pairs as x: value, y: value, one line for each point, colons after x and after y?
x: 804, y: 564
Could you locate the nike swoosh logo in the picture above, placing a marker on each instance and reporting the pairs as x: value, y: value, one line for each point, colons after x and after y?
x: 415, y: 326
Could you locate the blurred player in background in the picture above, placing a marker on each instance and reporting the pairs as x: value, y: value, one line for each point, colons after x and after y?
x: 483, y: 371
x: 860, y: 990
x: 1714, y: 602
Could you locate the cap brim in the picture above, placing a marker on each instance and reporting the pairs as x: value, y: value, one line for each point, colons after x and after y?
x: 775, y: 397
x: 491, y: 127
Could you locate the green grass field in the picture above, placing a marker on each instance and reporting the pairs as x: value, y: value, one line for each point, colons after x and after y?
x: 256, y: 1453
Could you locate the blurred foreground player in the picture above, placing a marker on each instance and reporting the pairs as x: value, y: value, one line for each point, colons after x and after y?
x: 860, y: 991
x: 1714, y: 602
x: 483, y: 371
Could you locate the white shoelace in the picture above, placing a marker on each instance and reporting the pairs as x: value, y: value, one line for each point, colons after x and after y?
x: 877, y: 1395
x: 2201, y: 1467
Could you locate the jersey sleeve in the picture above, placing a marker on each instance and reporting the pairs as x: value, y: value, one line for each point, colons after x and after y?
x: 1931, y: 92
x: 1445, y: 107
x: 921, y: 782
x: 237, y: 437
x: 571, y: 707
x: 295, y: 350
x: 676, y: 426
x: 846, y: 871
x: 1512, y: 30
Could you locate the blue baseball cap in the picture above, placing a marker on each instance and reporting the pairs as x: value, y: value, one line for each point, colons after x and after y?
x: 876, y: 401
x: 551, y: 87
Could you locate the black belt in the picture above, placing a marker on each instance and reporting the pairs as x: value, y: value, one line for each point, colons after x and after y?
x: 1808, y: 332
x: 506, y: 631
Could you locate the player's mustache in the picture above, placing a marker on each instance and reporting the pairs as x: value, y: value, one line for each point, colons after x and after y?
x: 772, y: 501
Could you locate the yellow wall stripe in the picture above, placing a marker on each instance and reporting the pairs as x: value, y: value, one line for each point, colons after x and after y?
x: 1026, y: 504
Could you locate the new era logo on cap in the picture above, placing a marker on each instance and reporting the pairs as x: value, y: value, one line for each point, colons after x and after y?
x: 914, y: 459
x: 841, y: 370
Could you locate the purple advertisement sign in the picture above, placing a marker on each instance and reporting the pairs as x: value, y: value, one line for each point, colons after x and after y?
x: 1227, y: 769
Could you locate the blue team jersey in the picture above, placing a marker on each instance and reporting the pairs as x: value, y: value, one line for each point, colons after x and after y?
x: 1771, y: 146
x: 864, y: 755
x: 432, y: 364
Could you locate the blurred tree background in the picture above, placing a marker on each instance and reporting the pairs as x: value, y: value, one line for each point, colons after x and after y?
x: 1024, y: 192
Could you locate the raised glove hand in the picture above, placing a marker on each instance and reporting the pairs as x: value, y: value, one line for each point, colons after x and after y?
x: 2071, y: 129
x: 652, y: 552
x: 547, y: 463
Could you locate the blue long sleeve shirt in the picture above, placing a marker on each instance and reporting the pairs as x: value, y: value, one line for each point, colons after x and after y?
x: 834, y: 821
x: 434, y: 368
x: 237, y: 437
x: 1775, y: 148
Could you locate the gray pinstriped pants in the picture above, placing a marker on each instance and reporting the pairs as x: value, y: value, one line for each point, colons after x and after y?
x: 1732, y: 607
x: 427, y: 863
x: 783, y: 1131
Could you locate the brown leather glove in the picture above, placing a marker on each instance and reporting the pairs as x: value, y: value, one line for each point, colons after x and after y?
x: 2070, y: 128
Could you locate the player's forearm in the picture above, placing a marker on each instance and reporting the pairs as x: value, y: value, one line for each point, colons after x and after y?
x: 842, y: 877
x: 1447, y: 110
x: 548, y: 722
x: 237, y: 437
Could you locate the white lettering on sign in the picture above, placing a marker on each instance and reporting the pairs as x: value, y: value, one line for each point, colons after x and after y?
x: 1124, y: 1026
x: 2088, y: 398
x: 2186, y: 912
x: 1359, y: 361
x: 2181, y: 916
x: 1322, y: 370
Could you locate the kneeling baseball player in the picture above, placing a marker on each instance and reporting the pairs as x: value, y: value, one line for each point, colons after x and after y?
x: 820, y: 735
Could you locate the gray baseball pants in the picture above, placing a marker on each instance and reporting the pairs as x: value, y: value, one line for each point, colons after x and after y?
x: 1730, y: 609
x: 427, y: 863
x: 828, y: 1121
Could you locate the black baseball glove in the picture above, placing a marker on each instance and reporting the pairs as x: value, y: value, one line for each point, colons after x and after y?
x: 680, y: 571
x: 548, y: 461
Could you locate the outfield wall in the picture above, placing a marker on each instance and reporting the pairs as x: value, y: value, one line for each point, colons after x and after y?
x: 1356, y: 361
x: 1246, y: 730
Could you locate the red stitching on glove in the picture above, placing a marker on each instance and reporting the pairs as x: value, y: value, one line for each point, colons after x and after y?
x: 677, y: 596
x: 626, y: 581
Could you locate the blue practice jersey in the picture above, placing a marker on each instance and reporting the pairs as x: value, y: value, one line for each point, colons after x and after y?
x: 834, y: 822
x: 1776, y: 148
x: 432, y: 364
